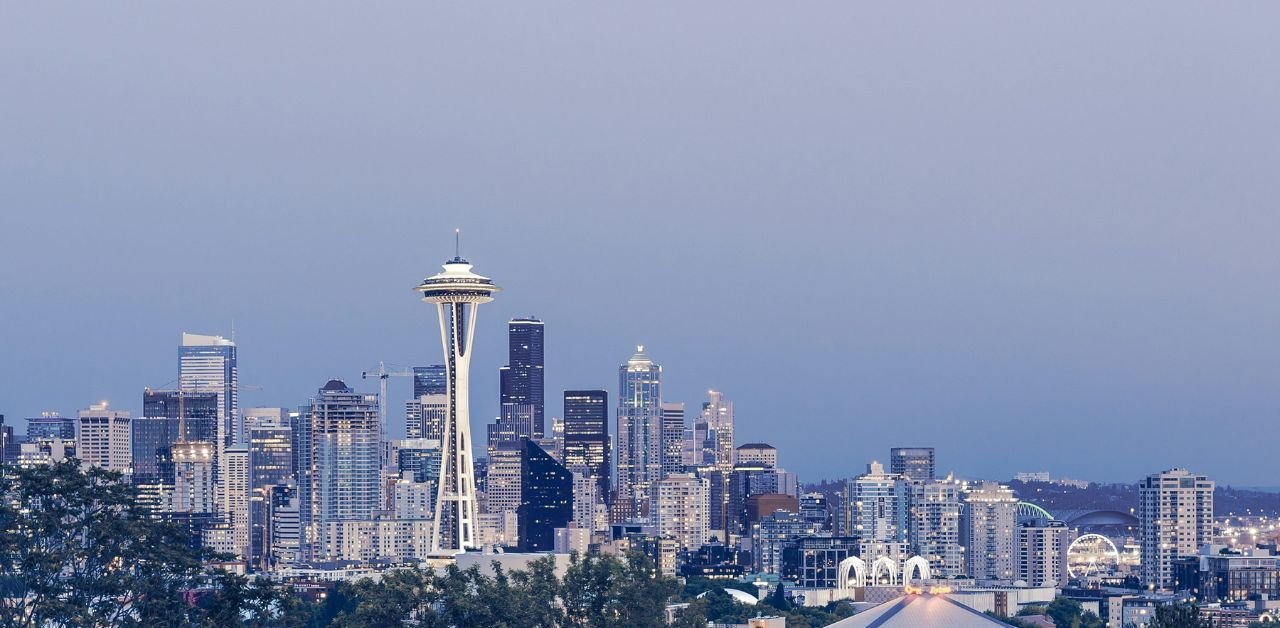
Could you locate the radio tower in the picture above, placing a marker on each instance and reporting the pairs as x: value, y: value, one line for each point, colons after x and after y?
x: 457, y: 292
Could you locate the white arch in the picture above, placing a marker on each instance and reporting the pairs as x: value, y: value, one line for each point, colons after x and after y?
x: 859, y: 573
x: 918, y: 564
x: 884, y: 563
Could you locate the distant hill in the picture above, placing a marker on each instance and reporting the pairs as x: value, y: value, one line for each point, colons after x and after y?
x: 1227, y: 500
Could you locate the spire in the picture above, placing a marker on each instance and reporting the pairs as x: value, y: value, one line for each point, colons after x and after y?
x: 457, y: 244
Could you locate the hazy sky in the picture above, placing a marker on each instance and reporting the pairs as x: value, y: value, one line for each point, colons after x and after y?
x: 1033, y: 235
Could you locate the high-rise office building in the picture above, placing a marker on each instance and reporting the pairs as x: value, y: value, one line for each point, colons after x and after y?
x: 255, y: 417
x: 155, y: 432
x: 680, y: 509
x: 1175, y: 518
x: 987, y: 530
x: 50, y: 425
x: 207, y: 364
x: 270, y: 455
x: 717, y: 415
x: 672, y: 438
x: 103, y: 438
x: 1042, y: 552
x: 933, y: 526
x: 586, y: 434
x: 639, y: 430
x: 193, y: 490
x: 522, y: 394
x: 916, y: 463
x: 457, y: 293
x: 502, y: 484
x: 430, y: 380
x: 424, y: 416
x: 546, y: 498
x: 345, y: 460
x: 772, y: 534
x: 235, y: 476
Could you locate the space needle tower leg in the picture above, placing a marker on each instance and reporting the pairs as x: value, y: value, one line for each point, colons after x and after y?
x: 456, y: 292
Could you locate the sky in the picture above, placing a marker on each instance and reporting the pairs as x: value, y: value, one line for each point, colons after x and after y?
x: 1037, y: 236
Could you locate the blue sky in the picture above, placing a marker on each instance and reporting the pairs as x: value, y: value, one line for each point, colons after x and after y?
x: 1033, y: 236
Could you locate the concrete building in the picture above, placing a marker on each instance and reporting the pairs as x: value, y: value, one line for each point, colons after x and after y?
x: 988, y: 531
x: 933, y: 526
x: 761, y: 454
x: 877, y: 505
x: 680, y: 508
x: 1042, y: 553
x: 1175, y: 515
x: 103, y: 438
x: 345, y: 466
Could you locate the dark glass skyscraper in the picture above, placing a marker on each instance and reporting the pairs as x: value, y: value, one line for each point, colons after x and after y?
x: 154, y: 433
x: 521, y: 380
x: 586, y: 434
x: 546, y: 498
x: 914, y: 462
x: 430, y: 380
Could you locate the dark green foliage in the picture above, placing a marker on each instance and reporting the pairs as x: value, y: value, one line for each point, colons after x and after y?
x: 76, y: 549
x: 1181, y: 615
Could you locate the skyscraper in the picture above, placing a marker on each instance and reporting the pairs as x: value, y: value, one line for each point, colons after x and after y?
x: 586, y: 434
x: 987, y: 530
x: 102, y: 439
x: 639, y: 430
x: 1175, y: 517
x: 933, y: 526
x: 546, y: 498
x: 717, y: 415
x: 430, y: 380
x: 457, y: 293
x: 235, y: 476
x: 916, y: 463
x: 681, y: 508
x: 1042, y: 552
x: 345, y: 461
x: 208, y: 364
x: 424, y: 416
x: 877, y: 504
x: 521, y: 380
x: 672, y: 438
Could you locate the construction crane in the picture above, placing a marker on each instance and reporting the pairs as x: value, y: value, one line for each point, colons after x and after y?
x: 382, y: 374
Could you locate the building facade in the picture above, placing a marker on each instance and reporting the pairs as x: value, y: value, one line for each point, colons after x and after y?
x: 1175, y: 518
x: 103, y: 438
x: 639, y: 431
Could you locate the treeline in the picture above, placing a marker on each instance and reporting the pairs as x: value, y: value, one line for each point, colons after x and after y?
x: 76, y: 549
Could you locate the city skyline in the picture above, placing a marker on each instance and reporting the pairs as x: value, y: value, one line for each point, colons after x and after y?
x: 1044, y: 233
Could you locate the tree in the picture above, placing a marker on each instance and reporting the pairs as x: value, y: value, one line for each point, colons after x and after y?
x: 1179, y: 615
x: 76, y: 549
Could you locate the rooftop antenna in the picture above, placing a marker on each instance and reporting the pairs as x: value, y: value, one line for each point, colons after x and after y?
x: 457, y: 244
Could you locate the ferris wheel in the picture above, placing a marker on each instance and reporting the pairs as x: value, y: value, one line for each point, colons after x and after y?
x: 1092, y: 555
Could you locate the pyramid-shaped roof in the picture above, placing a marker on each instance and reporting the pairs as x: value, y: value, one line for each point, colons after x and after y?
x: 919, y: 610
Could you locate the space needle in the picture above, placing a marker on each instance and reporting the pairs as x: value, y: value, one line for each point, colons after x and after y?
x: 457, y: 292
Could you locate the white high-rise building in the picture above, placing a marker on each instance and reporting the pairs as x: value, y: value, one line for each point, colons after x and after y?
x: 933, y: 526
x: 877, y: 506
x: 988, y: 532
x: 457, y: 293
x: 681, y: 509
x: 207, y: 364
x: 235, y: 478
x: 103, y: 438
x: 503, y: 482
x: 672, y: 438
x: 1175, y: 517
x: 589, y: 511
x: 345, y: 463
x: 640, y: 446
